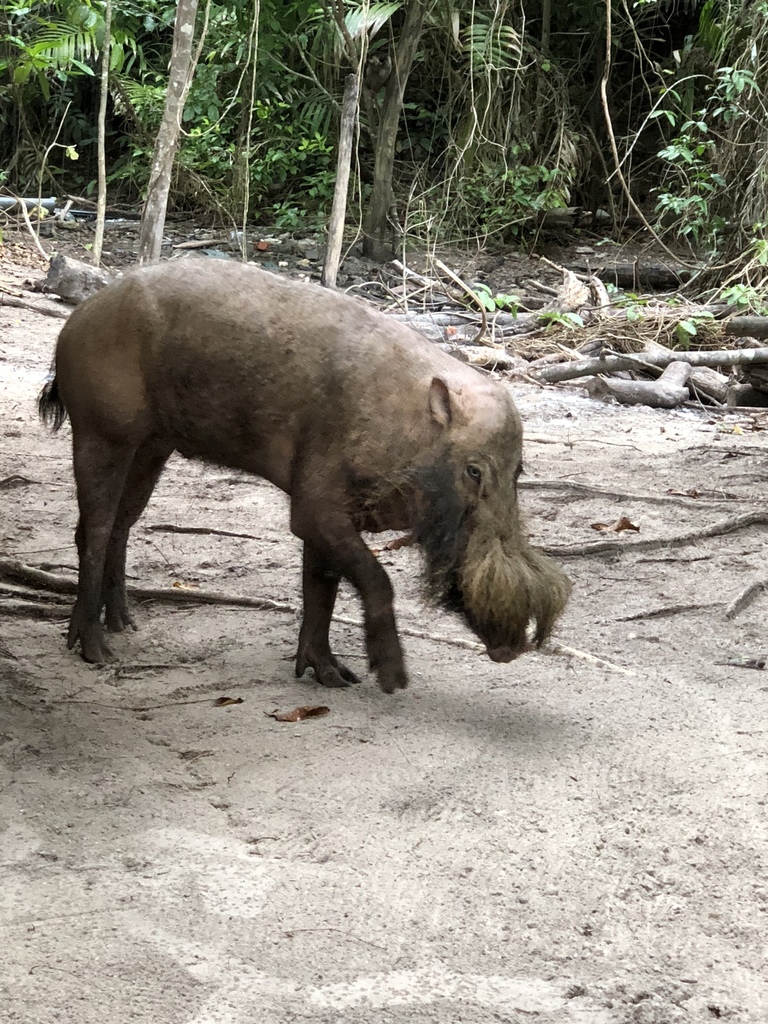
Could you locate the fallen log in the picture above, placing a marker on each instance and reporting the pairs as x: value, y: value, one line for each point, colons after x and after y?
x: 703, y: 379
x: 757, y: 376
x: 73, y: 280
x: 612, y: 364
x: 746, y: 327
x: 667, y: 392
x: 745, y: 395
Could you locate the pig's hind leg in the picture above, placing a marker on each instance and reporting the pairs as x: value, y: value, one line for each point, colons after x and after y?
x: 101, y: 468
x: 320, y: 583
x: 147, y: 465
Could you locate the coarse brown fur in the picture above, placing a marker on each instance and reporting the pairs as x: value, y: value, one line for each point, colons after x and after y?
x: 360, y: 420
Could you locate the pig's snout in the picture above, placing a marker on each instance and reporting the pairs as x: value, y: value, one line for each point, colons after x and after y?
x: 502, y: 654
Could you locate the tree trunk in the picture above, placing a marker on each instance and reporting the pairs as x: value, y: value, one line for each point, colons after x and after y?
x: 101, y: 205
x: 546, y: 25
x: 346, y: 138
x: 378, y: 238
x: 179, y: 80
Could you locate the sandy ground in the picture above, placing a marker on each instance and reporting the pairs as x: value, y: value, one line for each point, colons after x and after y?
x: 577, y: 837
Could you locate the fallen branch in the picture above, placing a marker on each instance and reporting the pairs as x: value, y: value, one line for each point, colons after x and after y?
x: 411, y: 275
x: 433, y: 325
x: 612, y: 364
x: 638, y: 276
x: 17, y: 572
x: 33, y: 233
x: 47, y: 308
x: 470, y: 292
x: 205, y: 530
x: 552, y: 647
x: 600, y: 547
x: 592, y: 659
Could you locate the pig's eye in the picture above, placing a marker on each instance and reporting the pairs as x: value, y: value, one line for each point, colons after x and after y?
x: 475, y: 474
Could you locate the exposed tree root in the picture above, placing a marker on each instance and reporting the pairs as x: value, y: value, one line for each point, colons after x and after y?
x: 15, y: 480
x: 35, y: 609
x: 663, y: 613
x: 15, y: 572
x: 745, y: 598
x: 588, y: 491
x: 601, y: 547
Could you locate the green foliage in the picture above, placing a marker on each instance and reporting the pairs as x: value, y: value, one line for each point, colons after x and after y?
x: 569, y: 320
x: 746, y: 298
x: 492, y: 302
x: 688, y: 328
x: 689, y: 159
x: 503, y: 200
x: 713, y: 168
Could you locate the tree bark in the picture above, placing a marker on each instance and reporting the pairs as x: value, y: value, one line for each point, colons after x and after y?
x: 101, y: 206
x: 378, y: 237
x: 344, y: 160
x: 179, y: 81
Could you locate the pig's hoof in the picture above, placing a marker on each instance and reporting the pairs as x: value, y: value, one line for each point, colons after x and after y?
x: 328, y: 671
x: 392, y: 678
x: 119, y: 619
x: 93, y: 647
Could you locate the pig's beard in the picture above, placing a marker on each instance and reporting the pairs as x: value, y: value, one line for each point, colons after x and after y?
x: 485, y: 570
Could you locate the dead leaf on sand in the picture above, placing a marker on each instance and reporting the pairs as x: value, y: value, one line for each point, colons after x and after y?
x: 618, y: 527
x: 298, y: 714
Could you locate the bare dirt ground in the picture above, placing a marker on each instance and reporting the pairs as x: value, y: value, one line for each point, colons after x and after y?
x: 576, y: 838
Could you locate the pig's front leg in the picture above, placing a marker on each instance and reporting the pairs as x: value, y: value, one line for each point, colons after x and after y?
x: 321, y: 520
x: 320, y: 583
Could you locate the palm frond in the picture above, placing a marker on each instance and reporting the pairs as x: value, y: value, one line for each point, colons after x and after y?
x: 370, y: 18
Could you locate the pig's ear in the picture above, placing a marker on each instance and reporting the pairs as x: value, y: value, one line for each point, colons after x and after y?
x: 440, y: 402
